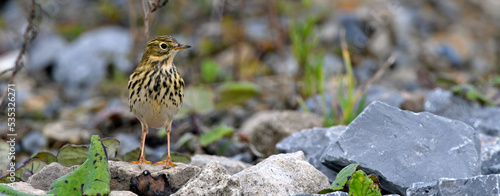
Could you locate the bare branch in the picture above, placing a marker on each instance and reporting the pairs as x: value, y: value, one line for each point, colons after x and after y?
x: 28, y: 36
x: 153, y: 5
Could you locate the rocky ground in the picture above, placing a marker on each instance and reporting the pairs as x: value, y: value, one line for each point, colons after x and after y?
x: 430, y: 125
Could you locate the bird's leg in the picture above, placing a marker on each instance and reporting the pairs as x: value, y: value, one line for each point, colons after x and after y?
x: 168, y: 162
x: 143, y: 141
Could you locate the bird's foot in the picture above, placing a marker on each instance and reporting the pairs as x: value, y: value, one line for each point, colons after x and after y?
x: 167, y: 163
x: 141, y: 160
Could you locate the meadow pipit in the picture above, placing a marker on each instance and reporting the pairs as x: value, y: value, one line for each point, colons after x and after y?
x: 156, y: 90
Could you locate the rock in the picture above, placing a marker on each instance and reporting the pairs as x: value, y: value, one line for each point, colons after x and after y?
x: 64, y: 132
x: 49, y: 173
x: 282, y: 64
x: 212, y: 180
x: 312, y: 142
x: 282, y: 174
x: 258, y: 29
x: 33, y: 142
x: 477, y: 185
x: 83, y: 64
x: 443, y: 103
x: 25, y: 188
x: 44, y: 50
x: 490, y: 154
x: 403, y: 147
x: 122, y: 172
x: 232, y: 166
x: 266, y: 128
x: 122, y: 193
x: 337, y: 193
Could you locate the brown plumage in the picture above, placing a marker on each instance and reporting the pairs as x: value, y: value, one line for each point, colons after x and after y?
x: 156, y: 90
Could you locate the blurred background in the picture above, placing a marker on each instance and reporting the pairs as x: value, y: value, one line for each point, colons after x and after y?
x: 247, y: 56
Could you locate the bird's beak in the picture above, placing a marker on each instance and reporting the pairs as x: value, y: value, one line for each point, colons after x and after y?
x: 181, y: 46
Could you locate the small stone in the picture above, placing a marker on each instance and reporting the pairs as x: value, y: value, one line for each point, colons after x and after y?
x: 266, y: 128
x: 282, y: 174
x: 212, y: 180
x: 25, y: 188
x: 33, y: 142
x: 232, y: 166
x: 122, y: 193
x: 477, y: 185
x: 312, y: 142
x: 403, y: 147
x: 43, y: 178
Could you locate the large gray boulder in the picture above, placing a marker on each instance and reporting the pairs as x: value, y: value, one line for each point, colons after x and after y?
x: 403, y: 147
x: 312, y: 142
x: 478, y: 185
x: 282, y: 174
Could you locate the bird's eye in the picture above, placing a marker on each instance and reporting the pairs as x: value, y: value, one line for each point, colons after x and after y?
x: 163, y: 46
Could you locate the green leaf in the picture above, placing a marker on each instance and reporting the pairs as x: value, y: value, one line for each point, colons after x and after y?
x: 70, y: 154
x: 29, y: 168
x: 177, y: 158
x: 209, y: 71
x: 111, y: 146
x: 46, y: 156
x: 362, y: 185
x: 197, y: 100
x: 91, y: 178
x: 5, y: 190
x: 215, y: 134
x: 132, y: 155
x: 235, y: 93
x: 341, y: 179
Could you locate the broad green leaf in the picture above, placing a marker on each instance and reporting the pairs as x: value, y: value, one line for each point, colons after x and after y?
x: 29, y: 168
x: 341, y: 179
x: 177, y: 158
x: 197, y: 100
x: 5, y: 190
x: 111, y: 146
x: 70, y: 154
x: 209, y: 71
x: 235, y: 93
x: 46, y: 156
x: 132, y: 155
x: 5, y: 160
x: 362, y: 185
x: 215, y: 134
x: 91, y: 178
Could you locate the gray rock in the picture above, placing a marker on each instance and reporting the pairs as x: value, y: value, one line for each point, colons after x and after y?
x: 282, y: 64
x: 257, y: 29
x: 49, y: 173
x: 232, y: 166
x: 33, y: 142
x: 122, y: 193
x: 490, y: 154
x: 403, y: 147
x: 477, y: 185
x: 44, y: 50
x: 312, y: 142
x: 212, y: 180
x: 83, y: 64
x: 266, y: 128
x: 121, y: 172
x: 282, y: 174
x: 25, y: 188
x: 443, y: 103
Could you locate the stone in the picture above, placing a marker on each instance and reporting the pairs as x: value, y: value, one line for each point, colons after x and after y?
x: 312, y: 142
x: 43, y: 178
x: 122, y: 172
x: 282, y: 174
x: 266, y: 128
x: 490, y: 154
x: 282, y: 64
x: 232, y: 166
x: 122, y: 193
x: 477, y: 185
x: 402, y: 147
x: 25, y: 188
x: 212, y: 180
x: 336, y: 193
x: 65, y: 132
x: 443, y: 103
x: 44, y: 50
x: 83, y: 64
x: 33, y: 142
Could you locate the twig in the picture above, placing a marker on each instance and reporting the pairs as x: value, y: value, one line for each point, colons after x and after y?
x: 380, y: 72
x: 153, y: 5
x: 29, y: 35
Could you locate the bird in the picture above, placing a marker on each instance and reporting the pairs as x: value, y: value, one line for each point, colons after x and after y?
x: 156, y: 90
